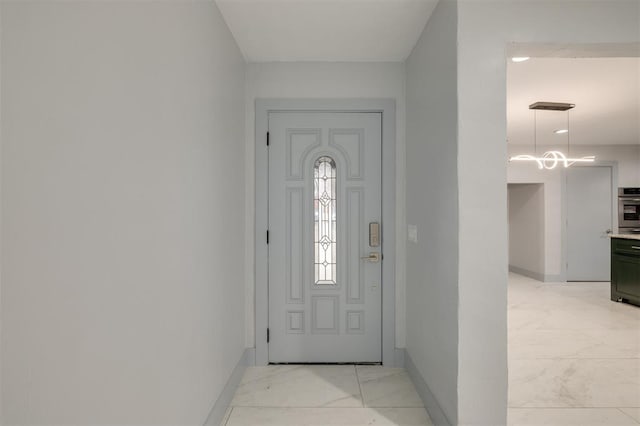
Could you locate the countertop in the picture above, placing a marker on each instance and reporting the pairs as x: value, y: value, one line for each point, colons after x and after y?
x: 626, y: 236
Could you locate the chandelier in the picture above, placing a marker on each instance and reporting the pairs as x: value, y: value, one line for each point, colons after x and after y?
x: 551, y: 159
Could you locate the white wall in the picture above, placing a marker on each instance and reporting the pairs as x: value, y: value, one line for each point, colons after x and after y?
x: 626, y: 156
x: 551, y: 180
x: 325, y: 80
x: 485, y: 28
x: 122, y: 211
x: 526, y: 229
x: 432, y: 207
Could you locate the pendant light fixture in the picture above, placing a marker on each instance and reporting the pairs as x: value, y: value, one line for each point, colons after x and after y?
x: 551, y: 159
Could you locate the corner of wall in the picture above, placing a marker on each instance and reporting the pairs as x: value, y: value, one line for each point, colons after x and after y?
x: 432, y: 212
x: 220, y: 407
x: 431, y: 404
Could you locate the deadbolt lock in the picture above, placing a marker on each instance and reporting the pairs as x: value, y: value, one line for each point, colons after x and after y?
x: 374, y: 234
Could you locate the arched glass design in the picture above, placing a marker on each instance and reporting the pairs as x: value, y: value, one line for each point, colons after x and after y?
x: 325, y: 220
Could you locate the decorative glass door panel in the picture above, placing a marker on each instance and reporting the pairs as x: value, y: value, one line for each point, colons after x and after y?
x: 325, y: 227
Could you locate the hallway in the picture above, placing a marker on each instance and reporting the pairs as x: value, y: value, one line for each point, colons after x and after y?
x: 149, y: 182
x: 326, y: 395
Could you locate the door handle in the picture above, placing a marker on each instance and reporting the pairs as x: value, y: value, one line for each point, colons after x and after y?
x: 374, y: 257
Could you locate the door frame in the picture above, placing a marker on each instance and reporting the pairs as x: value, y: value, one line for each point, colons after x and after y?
x: 613, y: 169
x: 387, y: 109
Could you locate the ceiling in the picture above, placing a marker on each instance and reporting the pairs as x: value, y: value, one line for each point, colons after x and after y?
x: 326, y: 30
x: 606, y: 92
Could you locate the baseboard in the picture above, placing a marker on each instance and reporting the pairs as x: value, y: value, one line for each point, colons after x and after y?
x: 224, y: 400
x: 428, y: 399
x: 554, y: 279
x: 527, y: 273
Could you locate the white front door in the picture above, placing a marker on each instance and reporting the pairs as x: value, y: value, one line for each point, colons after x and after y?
x: 589, y: 219
x: 324, y: 204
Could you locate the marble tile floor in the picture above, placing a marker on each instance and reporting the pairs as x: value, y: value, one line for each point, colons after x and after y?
x: 316, y: 395
x: 574, y: 355
x: 574, y: 359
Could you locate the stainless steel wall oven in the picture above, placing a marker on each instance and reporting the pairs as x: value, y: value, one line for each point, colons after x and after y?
x: 629, y: 210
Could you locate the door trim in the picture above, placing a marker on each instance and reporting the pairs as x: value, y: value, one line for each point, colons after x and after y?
x: 613, y: 167
x: 387, y: 108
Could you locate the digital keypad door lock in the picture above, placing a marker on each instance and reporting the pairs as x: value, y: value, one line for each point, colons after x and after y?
x: 374, y: 234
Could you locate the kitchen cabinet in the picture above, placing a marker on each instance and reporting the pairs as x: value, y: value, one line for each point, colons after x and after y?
x: 625, y: 269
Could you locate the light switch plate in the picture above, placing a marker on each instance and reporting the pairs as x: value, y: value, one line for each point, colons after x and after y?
x: 412, y: 233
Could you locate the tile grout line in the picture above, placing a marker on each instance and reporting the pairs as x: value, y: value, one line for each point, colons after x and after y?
x: 576, y: 359
x: 313, y: 407
x: 567, y: 408
x: 628, y: 415
x: 226, y: 422
x: 355, y: 367
x: 555, y: 407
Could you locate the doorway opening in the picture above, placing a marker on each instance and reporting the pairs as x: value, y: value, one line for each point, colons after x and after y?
x: 560, y: 317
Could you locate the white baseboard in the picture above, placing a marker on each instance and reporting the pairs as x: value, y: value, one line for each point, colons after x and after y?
x: 527, y: 273
x: 224, y: 400
x: 537, y: 275
x: 554, y: 279
x: 428, y: 399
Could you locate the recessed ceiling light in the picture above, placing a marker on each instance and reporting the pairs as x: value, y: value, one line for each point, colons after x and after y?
x: 561, y: 131
x: 520, y: 58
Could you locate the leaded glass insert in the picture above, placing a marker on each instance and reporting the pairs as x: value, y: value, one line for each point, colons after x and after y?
x: 324, y: 206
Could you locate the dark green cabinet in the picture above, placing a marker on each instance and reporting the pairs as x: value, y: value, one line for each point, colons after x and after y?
x: 625, y: 270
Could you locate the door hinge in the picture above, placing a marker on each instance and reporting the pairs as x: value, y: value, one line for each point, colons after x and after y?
x: 267, y: 236
x: 267, y: 138
x: 268, y: 335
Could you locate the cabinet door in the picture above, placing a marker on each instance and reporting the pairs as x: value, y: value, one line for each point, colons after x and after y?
x: 626, y: 274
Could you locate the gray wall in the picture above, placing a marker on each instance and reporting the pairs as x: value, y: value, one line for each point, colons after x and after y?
x: 432, y: 206
x: 526, y: 229
x: 122, y: 211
